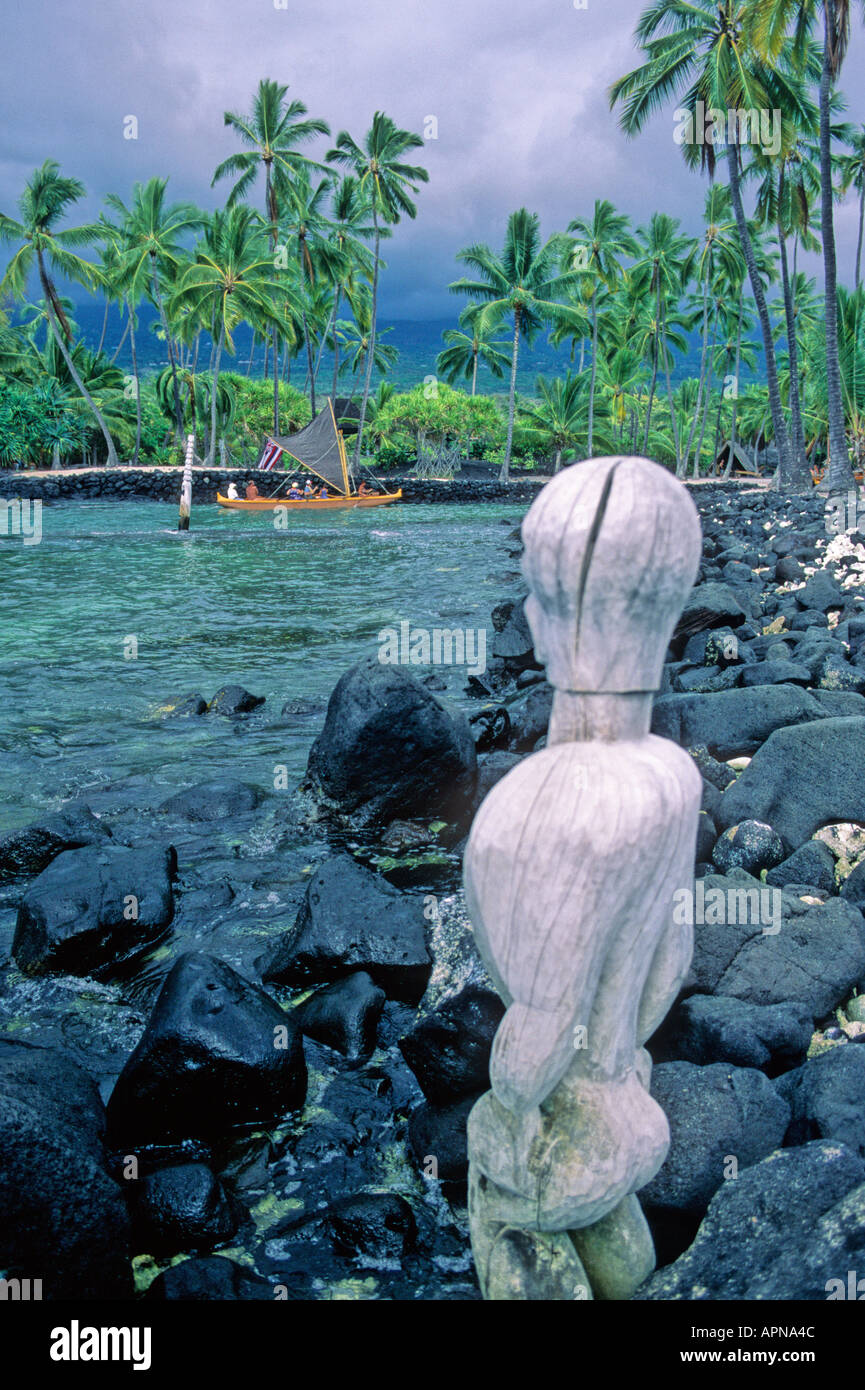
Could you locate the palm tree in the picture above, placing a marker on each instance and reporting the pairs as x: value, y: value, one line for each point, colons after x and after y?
x: 152, y: 233
x: 46, y: 197
x: 350, y: 220
x: 770, y: 21
x: 273, y: 130
x: 703, y: 50
x: 465, y: 350
x: 663, y: 266
x: 605, y: 239
x: 560, y: 419
x: 387, y: 182
x: 525, y: 280
x: 231, y: 279
x: 787, y: 181
x: 852, y: 170
x: 306, y: 228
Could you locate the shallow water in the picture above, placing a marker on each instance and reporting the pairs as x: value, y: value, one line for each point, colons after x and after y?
x: 282, y: 612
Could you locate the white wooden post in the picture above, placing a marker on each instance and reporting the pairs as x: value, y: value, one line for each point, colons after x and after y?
x: 570, y: 869
x: 186, y: 485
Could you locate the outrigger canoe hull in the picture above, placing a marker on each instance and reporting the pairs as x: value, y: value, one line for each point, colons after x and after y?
x: 312, y: 504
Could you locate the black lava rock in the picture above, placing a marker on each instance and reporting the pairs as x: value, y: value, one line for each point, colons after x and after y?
x: 437, y: 1135
x: 810, y: 863
x: 801, y: 778
x: 217, y: 1052
x: 65, y: 1219
x: 827, y: 1098
x: 771, y: 1037
x: 449, y: 1048
x: 344, y: 1015
x: 27, y: 852
x: 93, y: 908
x: 221, y: 799
x: 376, y: 1224
x: 751, y: 846
x: 716, y: 1113
x: 233, y: 699
x: 765, y: 1230
x: 390, y: 748
x: 183, y: 1207
x: 352, y: 919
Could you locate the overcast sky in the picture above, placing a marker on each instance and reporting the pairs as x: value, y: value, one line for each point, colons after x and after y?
x: 518, y: 88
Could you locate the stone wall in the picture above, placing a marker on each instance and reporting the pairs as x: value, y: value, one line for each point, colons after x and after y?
x: 163, y: 485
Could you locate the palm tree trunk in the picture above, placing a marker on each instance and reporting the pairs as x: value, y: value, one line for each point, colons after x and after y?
x: 137, y: 386
x: 172, y: 361
x: 839, y: 474
x: 698, y: 450
x: 698, y: 404
x: 558, y: 461
x: 654, y: 370
x: 797, y: 477
x: 48, y: 293
x: 371, y: 350
x: 309, y: 368
x: 594, y: 375
x: 276, y: 383
x: 211, y: 449
x: 474, y: 371
x: 119, y: 347
x: 673, y: 418
x: 104, y: 326
x: 861, y: 228
x: 736, y: 368
x: 505, y: 473
x: 251, y: 354
x: 778, y: 422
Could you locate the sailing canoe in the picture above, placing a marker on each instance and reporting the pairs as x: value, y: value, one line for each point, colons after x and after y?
x: 312, y: 504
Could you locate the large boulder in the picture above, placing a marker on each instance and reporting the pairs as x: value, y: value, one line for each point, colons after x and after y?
x: 709, y: 606
x: 352, y: 919
x: 28, y: 851
x: 827, y: 1098
x: 734, y: 723
x: 390, y: 748
x: 802, y: 778
x: 65, y: 1220
x: 715, y: 1113
x: 217, y: 1053
x: 815, y: 958
x: 94, y: 908
x: 704, y: 1029
x: 776, y: 1214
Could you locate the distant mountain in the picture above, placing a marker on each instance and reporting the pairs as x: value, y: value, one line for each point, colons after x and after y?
x: 418, y: 341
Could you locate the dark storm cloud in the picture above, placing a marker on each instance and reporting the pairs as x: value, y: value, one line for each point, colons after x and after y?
x: 519, y: 92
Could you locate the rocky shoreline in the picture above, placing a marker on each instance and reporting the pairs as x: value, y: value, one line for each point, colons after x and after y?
x: 163, y: 485
x: 292, y: 1125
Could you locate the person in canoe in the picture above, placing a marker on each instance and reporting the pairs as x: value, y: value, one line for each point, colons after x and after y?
x: 364, y: 491
x: 294, y: 493
x: 324, y: 494
x: 251, y: 491
x: 308, y: 490
x: 232, y: 491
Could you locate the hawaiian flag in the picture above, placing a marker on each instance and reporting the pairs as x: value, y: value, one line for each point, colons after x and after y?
x: 271, y: 456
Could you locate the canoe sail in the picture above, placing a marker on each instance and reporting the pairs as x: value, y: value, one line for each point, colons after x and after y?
x: 318, y: 448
